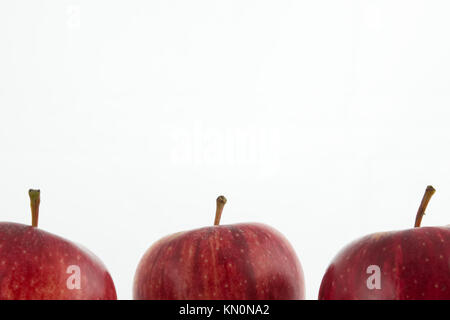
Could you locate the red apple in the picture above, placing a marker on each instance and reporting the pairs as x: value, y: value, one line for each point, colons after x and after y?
x: 240, y: 262
x: 407, y: 264
x: 37, y: 265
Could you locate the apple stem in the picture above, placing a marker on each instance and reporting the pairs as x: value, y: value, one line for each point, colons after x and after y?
x: 423, y: 205
x: 221, y: 200
x: 35, y: 200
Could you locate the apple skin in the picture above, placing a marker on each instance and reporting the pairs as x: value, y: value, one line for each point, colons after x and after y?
x: 33, y: 266
x: 414, y: 264
x: 248, y: 261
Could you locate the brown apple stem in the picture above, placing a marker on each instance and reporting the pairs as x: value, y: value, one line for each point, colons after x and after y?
x: 221, y: 200
x: 35, y: 200
x: 423, y: 205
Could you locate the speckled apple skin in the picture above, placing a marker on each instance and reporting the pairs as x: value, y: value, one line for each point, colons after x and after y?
x: 239, y: 262
x: 33, y: 266
x: 414, y: 264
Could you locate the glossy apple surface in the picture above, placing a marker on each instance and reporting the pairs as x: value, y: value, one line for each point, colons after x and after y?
x: 37, y: 265
x: 240, y: 262
x: 398, y: 265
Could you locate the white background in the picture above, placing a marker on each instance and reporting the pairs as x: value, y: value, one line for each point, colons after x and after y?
x: 324, y: 119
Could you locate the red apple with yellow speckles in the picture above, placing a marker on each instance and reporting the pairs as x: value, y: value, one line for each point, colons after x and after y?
x: 240, y: 262
x: 37, y: 265
x: 401, y: 265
